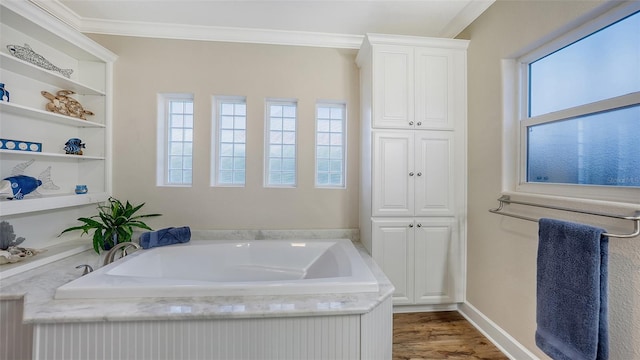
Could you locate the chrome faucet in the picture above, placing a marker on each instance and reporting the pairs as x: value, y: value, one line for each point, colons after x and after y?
x: 111, y: 255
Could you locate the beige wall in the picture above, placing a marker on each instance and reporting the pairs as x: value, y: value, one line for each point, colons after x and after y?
x: 502, y: 251
x: 146, y: 67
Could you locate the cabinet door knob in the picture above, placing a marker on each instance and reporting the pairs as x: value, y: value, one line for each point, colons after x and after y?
x: 419, y: 225
x: 411, y: 123
x: 419, y: 174
x: 410, y: 225
x: 419, y: 123
x: 411, y: 173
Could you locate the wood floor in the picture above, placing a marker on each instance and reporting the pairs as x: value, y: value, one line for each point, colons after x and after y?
x: 439, y: 335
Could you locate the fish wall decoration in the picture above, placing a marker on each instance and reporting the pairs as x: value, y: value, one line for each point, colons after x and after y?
x: 27, y: 54
x: 18, y: 185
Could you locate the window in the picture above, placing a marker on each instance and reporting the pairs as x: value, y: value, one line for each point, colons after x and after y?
x: 330, y: 145
x: 280, y: 162
x: 175, y: 139
x: 580, y: 113
x: 230, y: 131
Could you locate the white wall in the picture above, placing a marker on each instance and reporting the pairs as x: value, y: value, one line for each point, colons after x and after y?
x: 501, y: 274
x: 146, y: 67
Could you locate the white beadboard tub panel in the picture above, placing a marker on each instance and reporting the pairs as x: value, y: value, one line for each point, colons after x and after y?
x: 319, y: 337
x: 15, y: 337
x: 377, y: 332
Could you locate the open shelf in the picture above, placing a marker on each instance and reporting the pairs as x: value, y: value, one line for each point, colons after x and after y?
x: 49, y: 155
x: 20, y: 110
x: 50, y: 254
x: 29, y: 70
x: 49, y: 202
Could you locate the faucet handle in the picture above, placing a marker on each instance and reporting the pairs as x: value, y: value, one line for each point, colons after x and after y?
x: 87, y: 269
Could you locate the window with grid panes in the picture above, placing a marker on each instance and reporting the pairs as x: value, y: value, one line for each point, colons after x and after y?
x: 175, y: 139
x: 330, y: 145
x: 280, y: 161
x: 231, y: 141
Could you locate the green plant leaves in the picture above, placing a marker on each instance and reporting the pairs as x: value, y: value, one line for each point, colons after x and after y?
x: 115, y: 220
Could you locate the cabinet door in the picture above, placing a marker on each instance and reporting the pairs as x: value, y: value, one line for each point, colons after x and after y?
x: 437, y: 261
x: 392, y: 249
x: 434, y: 176
x: 393, y: 174
x: 434, y: 88
x: 393, y: 87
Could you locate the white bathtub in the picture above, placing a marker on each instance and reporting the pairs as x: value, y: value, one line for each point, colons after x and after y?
x: 228, y: 268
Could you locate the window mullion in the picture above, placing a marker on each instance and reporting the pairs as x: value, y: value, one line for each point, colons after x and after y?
x: 587, y: 109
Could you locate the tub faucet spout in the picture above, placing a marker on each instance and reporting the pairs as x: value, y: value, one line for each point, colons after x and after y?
x: 111, y: 255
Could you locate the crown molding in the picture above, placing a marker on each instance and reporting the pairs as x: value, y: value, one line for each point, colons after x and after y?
x: 465, y: 17
x: 59, y: 11
x: 225, y: 34
x: 193, y: 32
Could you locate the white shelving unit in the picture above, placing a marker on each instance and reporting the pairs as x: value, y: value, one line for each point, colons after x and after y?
x: 24, y: 118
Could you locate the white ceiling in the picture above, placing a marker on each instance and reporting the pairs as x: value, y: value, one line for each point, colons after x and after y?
x: 260, y: 20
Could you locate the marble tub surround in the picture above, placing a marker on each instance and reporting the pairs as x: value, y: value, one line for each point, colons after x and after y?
x: 38, y: 288
x: 351, y: 234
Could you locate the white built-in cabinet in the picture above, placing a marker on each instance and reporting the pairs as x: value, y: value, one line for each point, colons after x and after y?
x: 413, y: 164
x: 24, y: 117
x: 412, y: 86
x: 412, y: 173
x: 414, y: 253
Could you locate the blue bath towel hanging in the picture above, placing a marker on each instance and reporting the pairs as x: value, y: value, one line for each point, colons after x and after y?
x: 572, y: 291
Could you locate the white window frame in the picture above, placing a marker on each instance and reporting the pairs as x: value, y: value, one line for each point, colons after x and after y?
x: 515, y: 116
x: 343, y: 106
x: 215, y: 138
x: 267, y: 129
x: 162, y: 146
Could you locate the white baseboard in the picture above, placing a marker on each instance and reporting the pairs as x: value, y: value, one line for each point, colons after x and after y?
x: 398, y: 309
x: 500, y: 338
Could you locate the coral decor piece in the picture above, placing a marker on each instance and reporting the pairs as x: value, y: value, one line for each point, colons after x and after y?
x: 10, y: 252
x: 7, y: 236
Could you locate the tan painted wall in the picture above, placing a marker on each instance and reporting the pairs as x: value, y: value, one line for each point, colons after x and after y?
x: 146, y: 67
x: 502, y: 251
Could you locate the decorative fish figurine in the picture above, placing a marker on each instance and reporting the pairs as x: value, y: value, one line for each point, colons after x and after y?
x: 25, y: 53
x: 18, y: 185
x: 74, y: 146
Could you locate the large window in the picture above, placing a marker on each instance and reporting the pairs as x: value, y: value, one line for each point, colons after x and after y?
x: 280, y: 161
x: 330, y: 145
x: 230, y: 131
x: 580, y: 117
x: 175, y: 140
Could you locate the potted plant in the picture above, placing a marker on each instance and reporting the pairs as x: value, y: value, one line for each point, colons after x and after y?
x: 114, y: 224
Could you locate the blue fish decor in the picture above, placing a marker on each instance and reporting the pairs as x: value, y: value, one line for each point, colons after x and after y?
x: 25, y: 53
x: 4, y: 93
x: 74, y: 146
x: 18, y: 185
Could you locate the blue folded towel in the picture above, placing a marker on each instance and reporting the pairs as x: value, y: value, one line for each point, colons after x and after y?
x: 168, y: 236
x: 572, y: 291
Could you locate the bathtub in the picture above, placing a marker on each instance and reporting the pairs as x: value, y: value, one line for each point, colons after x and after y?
x: 230, y: 268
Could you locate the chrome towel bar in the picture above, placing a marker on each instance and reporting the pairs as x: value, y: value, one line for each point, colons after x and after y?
x: 506, y: 199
